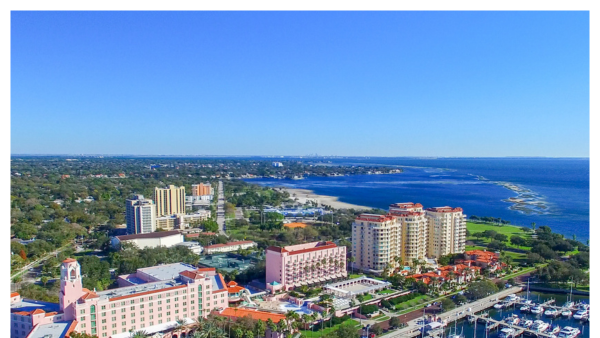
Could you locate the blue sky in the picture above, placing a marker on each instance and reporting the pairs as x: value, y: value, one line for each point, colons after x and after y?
x: 296, y: 83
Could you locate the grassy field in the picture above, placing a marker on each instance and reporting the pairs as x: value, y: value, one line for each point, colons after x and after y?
x: 385, y: 291
x: 507, y: 230
x: 326, y: 331
x: 382, y: 319
x: 367, y: 297
x: 356, y: 275
x: 517, y: 253
x: 413, y: 302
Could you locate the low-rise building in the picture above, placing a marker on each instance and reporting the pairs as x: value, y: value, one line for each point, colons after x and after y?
x: 150, y: 240
x: 229, y: 247
x: 194, y: 247
x: 150, y: 299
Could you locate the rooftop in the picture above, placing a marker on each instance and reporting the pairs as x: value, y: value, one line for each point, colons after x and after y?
x: 137, y: 290
x: 374, y: 218
x: 303, y: 248
x: 444, y: 209
x: 228, y: 244
x: 54, y: 330
x: 295, y: 225
x: 255, y: 314
x: 27, y: 305
x: 159, y: 234
x: 167, y: 271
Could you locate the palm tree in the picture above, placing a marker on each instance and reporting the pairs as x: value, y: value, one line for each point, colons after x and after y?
x: 533, y: 226
x: 352, y: 260
x: 271, y: 325
x: 198, y: 324
x: 138, y: 334
x: 179, y: 325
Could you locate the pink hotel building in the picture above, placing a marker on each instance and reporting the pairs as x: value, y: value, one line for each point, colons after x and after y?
x: 304, y: 264
x: 152, y: 297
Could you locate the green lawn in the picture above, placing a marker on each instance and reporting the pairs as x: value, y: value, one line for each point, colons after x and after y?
x: 382, y: 319
x: 522, y: 272
x: 326, y: 331
x: 412, y: 302
x: 507, y: 230
x: 386, y: 291
x: 356, y: 275
x: 367, y: 297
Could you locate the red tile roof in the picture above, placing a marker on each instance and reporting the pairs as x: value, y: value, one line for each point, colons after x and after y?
x: 192, y: 274
x: 14, y: 294
x: 69, y: 260
x: 38, y: 311
x: 255, y: 314
x: 328, y: 245
x: 146, y: 293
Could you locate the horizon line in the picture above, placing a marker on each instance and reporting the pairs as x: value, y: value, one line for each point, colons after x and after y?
x: 290, y: 156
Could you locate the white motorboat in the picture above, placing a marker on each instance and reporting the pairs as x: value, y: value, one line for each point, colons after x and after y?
x: 580, y: 314
x: 566, y: 313
x: 499, y: 305
x: 512, y: 298
x: 526, y: 323
x: 540, y: 326
x: 569, y: 332
x: 525, y: 308
x: 512, y: 320
x: 471, y: 319
x: 554, y: 329
x: 569, y: 305
x: 507, y: 332
x: 537, y: 310
x: 551, y: 312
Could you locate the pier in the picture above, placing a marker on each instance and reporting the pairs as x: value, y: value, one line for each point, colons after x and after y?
x: 497, y: 324
x: 413, y: 329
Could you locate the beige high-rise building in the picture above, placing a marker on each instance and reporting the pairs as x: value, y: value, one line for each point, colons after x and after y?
x: 415, y: 231
x: 447, y: 231
x: 169, y: 201
x: 202, y: 189
x: 376, y: 242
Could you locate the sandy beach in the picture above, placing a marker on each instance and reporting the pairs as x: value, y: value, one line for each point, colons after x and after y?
x: 304, y: 195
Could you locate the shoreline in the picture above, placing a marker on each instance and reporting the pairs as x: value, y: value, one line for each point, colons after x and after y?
x: 304, y: 195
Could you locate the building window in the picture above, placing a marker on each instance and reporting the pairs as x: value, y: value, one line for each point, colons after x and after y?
x: 93, y: 309
x: 82, y: 312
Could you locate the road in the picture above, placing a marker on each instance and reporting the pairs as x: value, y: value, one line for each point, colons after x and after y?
x: 413, y: 328
x: 38, y: 261
x: 221, y: 209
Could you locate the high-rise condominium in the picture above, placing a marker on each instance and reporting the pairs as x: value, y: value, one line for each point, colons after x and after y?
x: 140, y: 215
x: 405, y: 235
x: 415, y: 232
x: 447, y: 231
x: 376, y: 241
x: 170, y: 200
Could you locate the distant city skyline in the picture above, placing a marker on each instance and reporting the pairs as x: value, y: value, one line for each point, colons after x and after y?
x: 377, y: 84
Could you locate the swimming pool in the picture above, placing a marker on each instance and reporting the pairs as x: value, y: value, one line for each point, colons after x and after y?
x: 303, y: 310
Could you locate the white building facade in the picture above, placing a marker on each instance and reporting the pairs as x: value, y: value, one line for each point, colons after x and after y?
x: 140, y: 215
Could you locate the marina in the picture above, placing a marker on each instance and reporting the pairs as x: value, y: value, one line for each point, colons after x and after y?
x: 485, y: 321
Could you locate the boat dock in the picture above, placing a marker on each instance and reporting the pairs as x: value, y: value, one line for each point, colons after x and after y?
x: 413, y: 329
x: 496, y: 324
